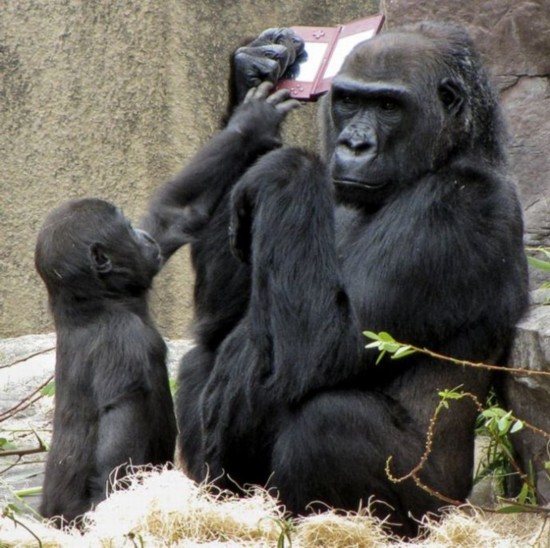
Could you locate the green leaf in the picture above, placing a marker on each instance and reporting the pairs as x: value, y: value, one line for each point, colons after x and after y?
x: 6, y: 444
x: 527, y: 495
x: 386, y: 337
x: 503, y: 424
x: 11, y: 509
x: 403, y: 351
x: 173, y: 383
x: 539, y: 263
x: 49, y: 389
x: 512, y: 509
x: 30, y: 492
x: 517, y: 426
x: 451, y: 394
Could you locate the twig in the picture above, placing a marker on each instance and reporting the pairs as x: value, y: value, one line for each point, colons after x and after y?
x: 24, y: 359
x: 23, y: 452
x: 12, y: 465
x: 9, y: 514
x: 25, y: 402
x: 480, y: 365
x: 413, y: 473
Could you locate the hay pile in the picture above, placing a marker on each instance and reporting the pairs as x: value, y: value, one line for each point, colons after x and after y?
x: 164, y: 508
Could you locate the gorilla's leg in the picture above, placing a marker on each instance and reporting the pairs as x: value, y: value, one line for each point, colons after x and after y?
x: 195, y: 366
x: 299, y: 311
x: 334, y: 450
x: 299, y: 335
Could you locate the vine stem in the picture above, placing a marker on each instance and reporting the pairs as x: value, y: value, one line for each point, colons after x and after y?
x: 25, y: 402
x: 480, y: 365
x: 25, y: 358
x: 413, y: 474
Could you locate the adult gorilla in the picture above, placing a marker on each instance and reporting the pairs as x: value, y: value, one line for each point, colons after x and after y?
x: 412, y: 227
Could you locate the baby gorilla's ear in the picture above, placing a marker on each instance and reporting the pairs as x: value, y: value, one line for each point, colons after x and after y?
x: 99, y: 259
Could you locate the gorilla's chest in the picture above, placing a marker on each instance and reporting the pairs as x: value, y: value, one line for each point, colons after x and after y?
x: 380, y: 264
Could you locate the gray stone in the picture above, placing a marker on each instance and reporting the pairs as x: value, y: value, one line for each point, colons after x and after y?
x: 25, y: 363
x: 528, y: 396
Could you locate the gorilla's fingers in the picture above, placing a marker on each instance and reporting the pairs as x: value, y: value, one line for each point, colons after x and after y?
x: 252, y: 93
x: 279, y: 96
x: 263, y: 90
x: 286, y: 106
x: 282, y: 101
x: 259, y: 93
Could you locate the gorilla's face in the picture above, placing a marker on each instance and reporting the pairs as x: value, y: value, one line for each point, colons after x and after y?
x: 88, y: 248
x: 386, y: 117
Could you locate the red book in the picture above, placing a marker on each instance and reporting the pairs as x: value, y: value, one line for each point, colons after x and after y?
x: 325, y: 51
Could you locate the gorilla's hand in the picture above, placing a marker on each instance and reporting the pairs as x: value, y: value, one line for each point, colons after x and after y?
x: 261, y: 114
x: 264, y: 59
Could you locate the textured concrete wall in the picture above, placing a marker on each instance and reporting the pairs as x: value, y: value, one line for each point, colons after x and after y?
x: 109, y: 99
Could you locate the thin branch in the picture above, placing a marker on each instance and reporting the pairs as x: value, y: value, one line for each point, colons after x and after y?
x: 25, y: 402
x: 12, y: 465
x: 25, y: 358
x: 23, y: 452
x: 8, y: 513
x: 413, y: 473
x: 480, y: 365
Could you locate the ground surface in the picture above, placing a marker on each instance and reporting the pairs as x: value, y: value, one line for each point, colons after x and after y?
x: 26, y: 363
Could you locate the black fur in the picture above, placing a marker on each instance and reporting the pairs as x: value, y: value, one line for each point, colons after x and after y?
x: 413, y: 227
x: 113, y: 404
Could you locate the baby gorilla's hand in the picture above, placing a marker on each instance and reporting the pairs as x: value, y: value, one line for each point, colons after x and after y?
x: 260, y: 116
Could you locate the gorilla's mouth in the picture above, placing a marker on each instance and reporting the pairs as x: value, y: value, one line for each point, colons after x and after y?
x: 359, y: 185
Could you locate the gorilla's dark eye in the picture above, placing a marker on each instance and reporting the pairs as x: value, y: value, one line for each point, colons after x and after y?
x: 346, y: 103
x: 389, y: 105
x: 447, y: 97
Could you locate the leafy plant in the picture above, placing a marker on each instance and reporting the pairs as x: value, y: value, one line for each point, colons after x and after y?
x: 541, y: 264
x: 497, y: 424
x: 493, y: 421
x: 386, y: 344
x: 538, y: 263
x: 6, y: 444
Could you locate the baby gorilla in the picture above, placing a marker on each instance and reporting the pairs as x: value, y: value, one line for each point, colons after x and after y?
x: 113, y: 404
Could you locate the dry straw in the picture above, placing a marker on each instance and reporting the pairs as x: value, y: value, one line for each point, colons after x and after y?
x: 165, y: 509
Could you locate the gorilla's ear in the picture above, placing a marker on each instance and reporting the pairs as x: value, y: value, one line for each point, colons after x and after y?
x: 451, y: 94
x: 101, y: 262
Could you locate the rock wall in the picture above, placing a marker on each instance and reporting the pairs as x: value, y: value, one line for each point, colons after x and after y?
x: 528, y: 396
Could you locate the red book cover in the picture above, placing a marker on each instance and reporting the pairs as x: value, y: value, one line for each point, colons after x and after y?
x: 325, y: 51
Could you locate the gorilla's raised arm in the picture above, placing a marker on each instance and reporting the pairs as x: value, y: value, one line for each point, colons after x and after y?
x: 182, y: 207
